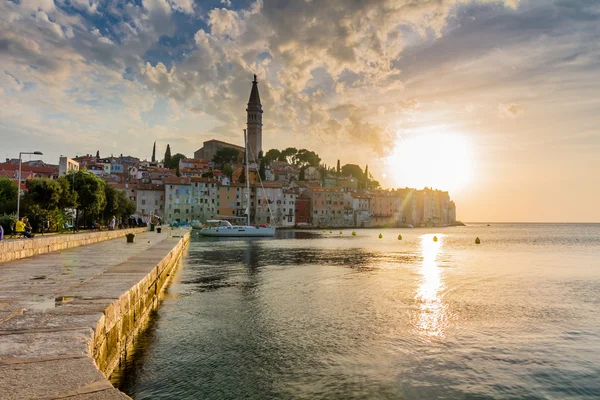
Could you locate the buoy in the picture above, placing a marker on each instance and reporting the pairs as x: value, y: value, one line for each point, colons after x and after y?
x: 380, y: 236
x: 340, y: 232
x: 330, y: 231
x: 435, y: 238
x: 353, y: 233
x: 477, y: 241
x: 399, y: 237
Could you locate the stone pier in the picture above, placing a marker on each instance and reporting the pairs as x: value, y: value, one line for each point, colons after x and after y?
x: 68, y: 316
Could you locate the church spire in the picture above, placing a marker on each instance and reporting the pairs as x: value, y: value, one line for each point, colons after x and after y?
x: 154, y: 153
x: 254, y: 96
x: 254, y: 123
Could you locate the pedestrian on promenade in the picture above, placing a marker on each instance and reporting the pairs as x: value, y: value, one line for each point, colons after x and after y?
x: 1, y: 233
x: 113, y: 223
x: 28, y: 228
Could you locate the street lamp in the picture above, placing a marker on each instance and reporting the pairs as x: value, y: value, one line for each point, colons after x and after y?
x: 19, y: 178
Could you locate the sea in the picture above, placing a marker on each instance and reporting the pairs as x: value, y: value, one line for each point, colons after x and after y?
x: 415, y: 314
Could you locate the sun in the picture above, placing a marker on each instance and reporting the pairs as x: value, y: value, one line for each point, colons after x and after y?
x: 441, y: 160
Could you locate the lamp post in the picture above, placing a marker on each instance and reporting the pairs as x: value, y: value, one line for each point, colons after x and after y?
x: 19, y: 179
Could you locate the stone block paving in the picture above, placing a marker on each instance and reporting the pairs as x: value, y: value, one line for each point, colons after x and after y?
x: 50, y: 305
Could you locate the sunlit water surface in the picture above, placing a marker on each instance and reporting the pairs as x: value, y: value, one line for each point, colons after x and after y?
x: 314, y: 315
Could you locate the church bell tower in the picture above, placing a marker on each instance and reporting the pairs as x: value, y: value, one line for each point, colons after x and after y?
x: 254, y: 123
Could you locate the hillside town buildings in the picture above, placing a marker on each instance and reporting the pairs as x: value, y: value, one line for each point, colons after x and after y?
x: 198, y: 191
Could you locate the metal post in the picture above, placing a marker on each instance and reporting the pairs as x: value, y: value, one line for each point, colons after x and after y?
x: 19, y: 189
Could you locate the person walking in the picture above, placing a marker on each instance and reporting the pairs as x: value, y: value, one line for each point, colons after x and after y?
x: 113, y: 223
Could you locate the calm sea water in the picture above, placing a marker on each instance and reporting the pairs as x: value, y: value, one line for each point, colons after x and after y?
x: 313, y: 315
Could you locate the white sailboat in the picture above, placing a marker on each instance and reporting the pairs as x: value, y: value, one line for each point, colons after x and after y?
x: 222, y: 228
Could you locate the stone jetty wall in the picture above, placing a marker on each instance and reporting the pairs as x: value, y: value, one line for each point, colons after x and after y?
x: 21, y: 248
x: 123, y: 319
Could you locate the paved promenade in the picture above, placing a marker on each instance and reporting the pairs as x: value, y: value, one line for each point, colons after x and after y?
x: 51, y: 304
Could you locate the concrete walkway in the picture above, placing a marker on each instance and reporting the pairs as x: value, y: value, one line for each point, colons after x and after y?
x: 50, y: 306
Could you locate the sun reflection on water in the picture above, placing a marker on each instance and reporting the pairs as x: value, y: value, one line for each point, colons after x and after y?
x: 432, y: 318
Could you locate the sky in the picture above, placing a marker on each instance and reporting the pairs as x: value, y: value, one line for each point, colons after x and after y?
x: 497, y: 102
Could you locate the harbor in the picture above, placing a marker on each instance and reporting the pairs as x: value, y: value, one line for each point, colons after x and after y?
x: 67, y: 317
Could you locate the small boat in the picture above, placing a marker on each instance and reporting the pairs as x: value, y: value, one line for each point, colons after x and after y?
x: 222, y: 228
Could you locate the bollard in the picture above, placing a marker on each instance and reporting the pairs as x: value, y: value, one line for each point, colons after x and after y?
x: 130, y: 237
x: 380, y: 236
x: 477, y: 241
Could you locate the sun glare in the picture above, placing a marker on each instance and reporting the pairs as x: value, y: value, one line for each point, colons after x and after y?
x: 442, y: 161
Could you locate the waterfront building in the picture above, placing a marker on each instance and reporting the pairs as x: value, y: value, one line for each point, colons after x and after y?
x: 327, y: 205
x: 302, y: 210
x: 452, y: 213
x: 288, y: 214
x: 178, y: 199
x: 383, y: 209
x: 254, y: 124
x: 150, y: 199
x: 428, y: 207
x: 204, y: 196
x: 67, y: 165
x: 228, y: 199
x: 268, y: 203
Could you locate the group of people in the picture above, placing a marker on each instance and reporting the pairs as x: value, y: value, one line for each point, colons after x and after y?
x: 23, y: 227
x: 124, y: 222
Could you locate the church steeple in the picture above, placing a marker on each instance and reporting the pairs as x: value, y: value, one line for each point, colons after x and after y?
x: 254, y: 96
x: 254, y: 123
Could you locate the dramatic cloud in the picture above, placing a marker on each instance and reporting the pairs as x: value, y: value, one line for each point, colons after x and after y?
x: 333, y: 74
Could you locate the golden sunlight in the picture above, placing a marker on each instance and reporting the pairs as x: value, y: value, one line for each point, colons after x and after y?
x: 437, y: 160
x: 432, y: 318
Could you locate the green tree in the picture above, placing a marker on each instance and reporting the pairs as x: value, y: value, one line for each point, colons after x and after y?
x: 302, y: 175
x: 167, y: 160
x: 307, y: 158
x: 353, y: 170
x: 226, y: 155
x: 272, y: 155
x: 91, y: 198
x: 366, y: 178
x: 68, y: 197
x: 43, y: 192
x: 8, y: 196
x: 228, y: 170
x: 44, y: 201
x: 288, y: 155
x: 175, y: 161
x: 262, y: 169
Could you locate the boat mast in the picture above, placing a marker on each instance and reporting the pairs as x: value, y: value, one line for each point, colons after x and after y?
x: 247, y: 179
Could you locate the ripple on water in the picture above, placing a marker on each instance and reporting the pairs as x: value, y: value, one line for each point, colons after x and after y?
x: 316, y: 316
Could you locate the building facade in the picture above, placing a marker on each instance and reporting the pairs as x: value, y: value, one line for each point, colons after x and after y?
x: 67, y: 165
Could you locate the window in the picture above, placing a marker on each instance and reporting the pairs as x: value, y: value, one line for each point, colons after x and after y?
x: 143, y: 201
